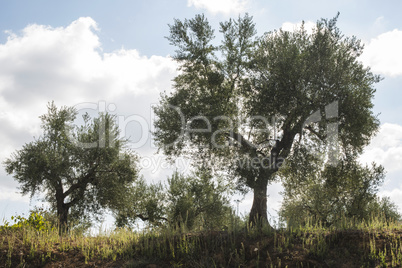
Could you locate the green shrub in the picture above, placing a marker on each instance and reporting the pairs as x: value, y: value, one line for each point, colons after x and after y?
x: 35, y: 220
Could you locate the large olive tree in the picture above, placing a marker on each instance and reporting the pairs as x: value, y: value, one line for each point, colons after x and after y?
x: 247, y: 103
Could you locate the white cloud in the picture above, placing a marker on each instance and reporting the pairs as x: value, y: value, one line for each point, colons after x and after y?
x: 395, y: 195
x: 291, y: 27
x: 386, y: 148
x: 67, y: 65
x: 220, y: 6
x: 6, y: 194
x: 383, y: 53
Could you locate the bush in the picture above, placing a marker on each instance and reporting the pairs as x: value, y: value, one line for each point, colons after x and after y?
x: 35, y: 220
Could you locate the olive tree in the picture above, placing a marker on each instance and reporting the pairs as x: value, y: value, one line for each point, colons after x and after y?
x: 193, y: 201
x: 247, y: 103
x: 330, y: 193
x: 78, y: 169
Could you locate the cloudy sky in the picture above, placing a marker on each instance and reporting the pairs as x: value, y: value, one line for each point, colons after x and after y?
x: 112, y: 56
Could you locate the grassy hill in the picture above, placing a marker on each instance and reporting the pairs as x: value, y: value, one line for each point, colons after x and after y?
x: 372, y: 244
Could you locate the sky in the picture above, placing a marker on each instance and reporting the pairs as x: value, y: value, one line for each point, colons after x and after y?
x: 113, y: 56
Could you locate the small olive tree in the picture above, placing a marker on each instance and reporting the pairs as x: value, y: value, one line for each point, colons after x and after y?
x: 328, y: 194
x: 195, y: 201
x: 80, y: 170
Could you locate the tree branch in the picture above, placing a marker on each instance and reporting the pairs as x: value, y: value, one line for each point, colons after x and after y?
x: 285, y: 144
x: 144, y: 218
x: 245, y: 144
x: 321, y: 137
x: 83, y: 181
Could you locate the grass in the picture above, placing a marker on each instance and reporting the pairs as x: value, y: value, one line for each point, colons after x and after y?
x: 375, y: 243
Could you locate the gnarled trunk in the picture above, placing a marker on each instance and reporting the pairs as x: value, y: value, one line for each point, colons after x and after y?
x: 62, y: 211
x: 62, y: 214
x: 258, y: 214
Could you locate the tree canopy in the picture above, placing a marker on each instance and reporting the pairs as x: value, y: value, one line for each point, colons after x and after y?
x: 329, y: 194
x: 249, y: 103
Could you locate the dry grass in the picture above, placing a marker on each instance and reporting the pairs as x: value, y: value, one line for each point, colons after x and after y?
x: 372, y: 244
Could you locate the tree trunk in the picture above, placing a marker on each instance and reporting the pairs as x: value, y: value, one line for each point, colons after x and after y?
x: 258, y: 214
x: 62, y: 212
